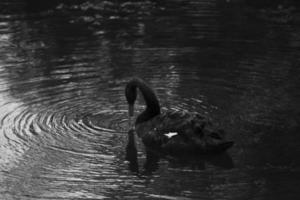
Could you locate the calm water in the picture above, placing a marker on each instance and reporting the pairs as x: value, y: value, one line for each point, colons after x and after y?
x: 63, y: 114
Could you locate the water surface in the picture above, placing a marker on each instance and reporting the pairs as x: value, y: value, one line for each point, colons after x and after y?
x: 63, y: 114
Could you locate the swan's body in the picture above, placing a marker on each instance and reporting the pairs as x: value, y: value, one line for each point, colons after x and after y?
x: 173, y: 132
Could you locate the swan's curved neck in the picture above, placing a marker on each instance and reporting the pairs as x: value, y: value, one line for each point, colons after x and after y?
x: 152, y: 103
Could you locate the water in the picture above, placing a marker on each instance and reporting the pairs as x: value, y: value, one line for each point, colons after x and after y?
x: 63, y: 114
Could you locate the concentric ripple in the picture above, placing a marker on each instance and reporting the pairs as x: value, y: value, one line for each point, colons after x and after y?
x: 56, y: 135
x: 59, y: 125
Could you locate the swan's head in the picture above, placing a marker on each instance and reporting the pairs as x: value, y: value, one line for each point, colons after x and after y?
x: 131, y: 94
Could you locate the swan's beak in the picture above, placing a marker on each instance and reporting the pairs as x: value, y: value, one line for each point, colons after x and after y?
x: 130, y: 110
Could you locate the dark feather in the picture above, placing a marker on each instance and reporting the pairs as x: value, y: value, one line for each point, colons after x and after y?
x: 195, y: 134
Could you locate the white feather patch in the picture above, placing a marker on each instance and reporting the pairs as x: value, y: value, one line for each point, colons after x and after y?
x: 171, y: 134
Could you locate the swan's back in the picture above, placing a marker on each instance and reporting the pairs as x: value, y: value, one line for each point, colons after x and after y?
x: 173, y: 121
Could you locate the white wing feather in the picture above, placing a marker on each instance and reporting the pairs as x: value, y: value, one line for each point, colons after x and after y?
x: 171, y: 134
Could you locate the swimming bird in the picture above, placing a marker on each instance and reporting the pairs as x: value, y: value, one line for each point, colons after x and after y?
x: 172, y: 132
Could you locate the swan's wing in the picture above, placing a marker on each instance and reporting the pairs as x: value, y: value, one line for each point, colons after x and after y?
x: 188, y: 125
x: 184, y: 123
x: 176, y: 132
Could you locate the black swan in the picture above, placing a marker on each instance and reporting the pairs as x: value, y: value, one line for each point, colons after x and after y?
x: 172, y: 132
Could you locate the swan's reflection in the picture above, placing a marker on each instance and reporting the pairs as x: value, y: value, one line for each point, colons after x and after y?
x: 131, y: 152
x: 152, y: 159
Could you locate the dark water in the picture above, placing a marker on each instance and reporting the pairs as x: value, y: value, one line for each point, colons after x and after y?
x: 63, y: 115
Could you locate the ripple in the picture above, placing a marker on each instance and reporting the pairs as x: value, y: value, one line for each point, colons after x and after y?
x: 107, y: 120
